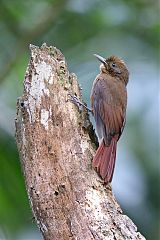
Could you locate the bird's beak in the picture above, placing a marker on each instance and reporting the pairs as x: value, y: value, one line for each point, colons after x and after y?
x: 101, y: 59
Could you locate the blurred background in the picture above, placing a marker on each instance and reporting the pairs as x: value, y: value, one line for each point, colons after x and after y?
x: 80, y: 28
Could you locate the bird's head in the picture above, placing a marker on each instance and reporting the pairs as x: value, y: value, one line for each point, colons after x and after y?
x: 115, y: 67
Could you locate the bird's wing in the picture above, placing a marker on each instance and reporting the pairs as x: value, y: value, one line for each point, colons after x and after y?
x: 109, y: 111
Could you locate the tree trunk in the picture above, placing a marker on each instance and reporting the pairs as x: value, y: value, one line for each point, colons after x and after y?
x: 56, y: 143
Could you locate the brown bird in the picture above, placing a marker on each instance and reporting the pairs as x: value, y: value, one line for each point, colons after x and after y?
x: 109, y: 101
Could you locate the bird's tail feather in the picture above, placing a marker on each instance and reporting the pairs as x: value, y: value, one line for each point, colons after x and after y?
x: 104, y: 160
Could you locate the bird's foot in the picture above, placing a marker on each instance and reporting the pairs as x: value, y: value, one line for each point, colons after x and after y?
x: 108, y: 186
x: 78, y: 103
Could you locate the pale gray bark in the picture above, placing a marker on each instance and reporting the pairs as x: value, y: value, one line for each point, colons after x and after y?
x: 56, y: 144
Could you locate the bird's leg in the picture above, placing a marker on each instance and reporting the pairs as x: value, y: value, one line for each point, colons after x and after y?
x: 77, y: 102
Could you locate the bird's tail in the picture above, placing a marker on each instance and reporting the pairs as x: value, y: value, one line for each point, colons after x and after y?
x: 104, y: 160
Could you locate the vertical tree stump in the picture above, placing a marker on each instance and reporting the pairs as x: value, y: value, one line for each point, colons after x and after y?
x: 56, y: 143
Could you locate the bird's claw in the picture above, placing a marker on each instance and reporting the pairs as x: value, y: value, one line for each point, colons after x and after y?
x: 77, y: 102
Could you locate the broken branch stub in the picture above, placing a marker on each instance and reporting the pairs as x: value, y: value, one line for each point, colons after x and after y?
x: 56, y: 143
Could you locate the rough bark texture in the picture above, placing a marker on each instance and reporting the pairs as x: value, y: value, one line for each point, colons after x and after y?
x: 56, y: 144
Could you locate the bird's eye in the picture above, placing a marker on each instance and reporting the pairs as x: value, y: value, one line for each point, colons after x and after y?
x: 113, y: 65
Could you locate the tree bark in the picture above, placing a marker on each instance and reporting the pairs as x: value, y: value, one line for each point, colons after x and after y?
x: 56, y: 143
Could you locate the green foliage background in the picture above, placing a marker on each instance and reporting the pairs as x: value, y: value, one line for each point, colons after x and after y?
x: 129, y: 29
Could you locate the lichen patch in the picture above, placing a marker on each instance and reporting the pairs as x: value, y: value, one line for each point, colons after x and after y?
x: 38, y: 88
x: 44, y: 118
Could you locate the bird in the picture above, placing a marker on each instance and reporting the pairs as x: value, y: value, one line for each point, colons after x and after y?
x: 108, y: 105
